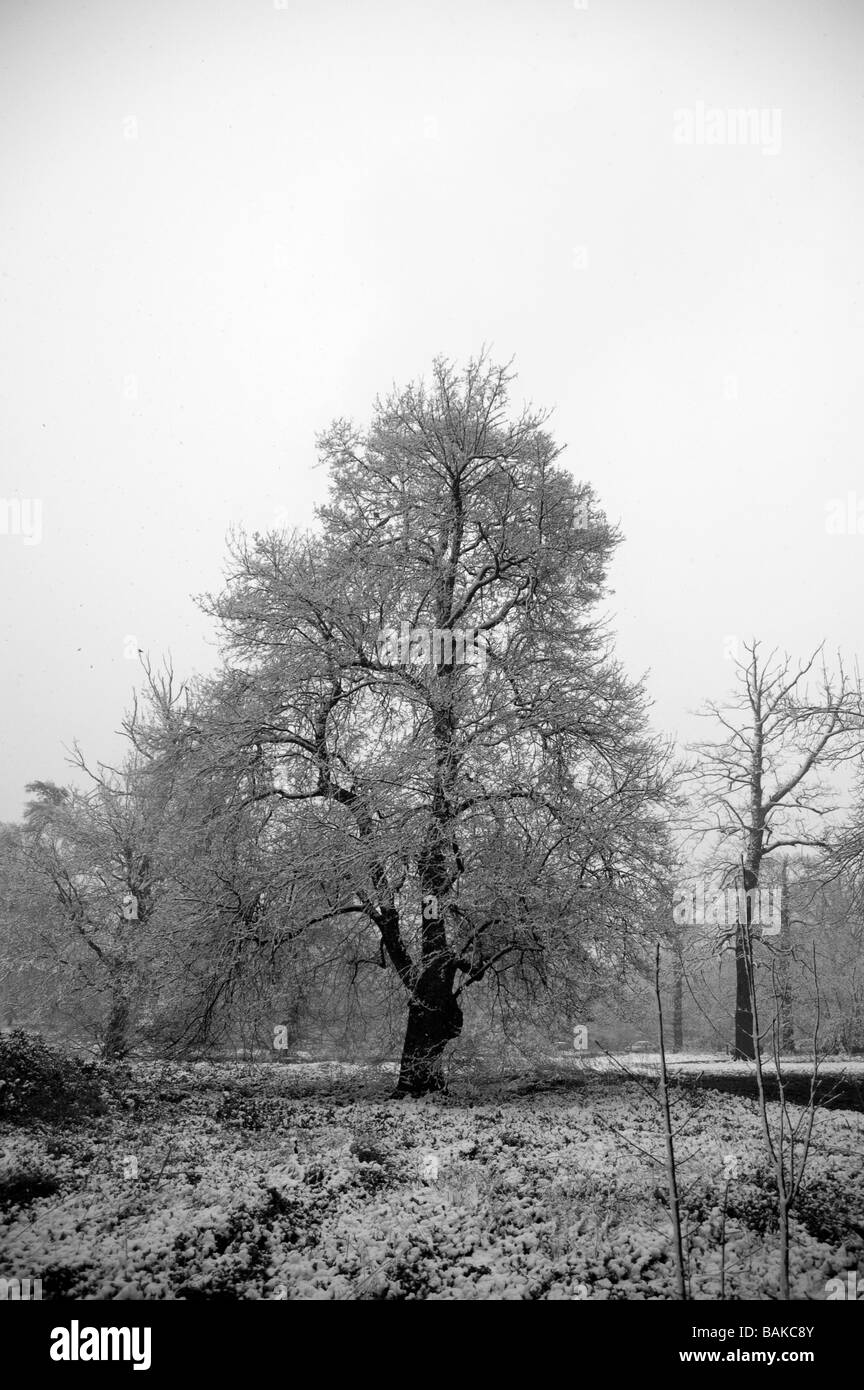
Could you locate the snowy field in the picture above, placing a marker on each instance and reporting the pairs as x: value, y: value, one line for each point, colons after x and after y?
x: 709, y: 1063
x: 272, y: 1181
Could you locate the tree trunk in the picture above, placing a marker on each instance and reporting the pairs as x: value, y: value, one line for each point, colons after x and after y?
x: 434, y: 1013
x: 678, y: 1005
x: 434, y: 1020
x: 786, y: 999
x: 115, y: 1039
x: 115, y: 1042
x: 744, y: 1048
x: 784, y: 1248
x: 671, y: 1172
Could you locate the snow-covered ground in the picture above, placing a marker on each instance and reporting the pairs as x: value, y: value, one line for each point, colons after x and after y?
x: 233, y: 1181
x: 709, y: 1062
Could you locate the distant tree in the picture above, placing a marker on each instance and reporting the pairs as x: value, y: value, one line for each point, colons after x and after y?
x: 85, y: 858
x: 829, y: 917
x: 760, y: 784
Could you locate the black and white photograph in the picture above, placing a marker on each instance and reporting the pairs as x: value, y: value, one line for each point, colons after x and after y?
x: 432, y: 550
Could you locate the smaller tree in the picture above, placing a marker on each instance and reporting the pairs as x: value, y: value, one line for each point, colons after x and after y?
x: 787, y: 1139
x: 760, y: 783
x: 87, y: 859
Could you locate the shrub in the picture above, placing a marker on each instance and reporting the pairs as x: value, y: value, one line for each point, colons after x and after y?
x: 245, y: 1111
x: 38, y: 1081
x: 754, y: 1202
x: 19, y: 1188
x: 831, y: 1209
x: 366, y: 1149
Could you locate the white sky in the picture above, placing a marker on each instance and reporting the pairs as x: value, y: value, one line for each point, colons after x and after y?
x: 260, y: 217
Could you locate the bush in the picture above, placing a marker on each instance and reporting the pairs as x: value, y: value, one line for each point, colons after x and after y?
x: 754, y: 1202
x: 247, y: 1112
x: 20, y: 1188
x: 39, y: 1082
x: 366, y: 1149
x: 831, y: 1209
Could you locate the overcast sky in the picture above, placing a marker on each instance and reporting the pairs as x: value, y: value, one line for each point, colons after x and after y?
x: 225, y: 222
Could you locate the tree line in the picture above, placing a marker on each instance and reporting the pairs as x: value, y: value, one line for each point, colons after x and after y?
x: 334, y: 834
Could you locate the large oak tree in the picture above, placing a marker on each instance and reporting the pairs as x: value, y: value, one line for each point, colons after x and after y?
x: 492, y: 820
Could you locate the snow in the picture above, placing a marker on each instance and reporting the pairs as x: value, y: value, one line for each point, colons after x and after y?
x: 261, y: 1181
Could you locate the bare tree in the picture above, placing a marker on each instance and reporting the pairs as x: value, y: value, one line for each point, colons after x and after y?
x: 88, y: 859
x: 760, y: 782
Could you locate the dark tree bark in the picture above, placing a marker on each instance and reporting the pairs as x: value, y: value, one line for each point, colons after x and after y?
x: 115, y: 1041
x: 745, y: 1048
x: 678, y: 1004
x: 785, y: 995
x: 745, y: 1044
x: 434, y: 1020
x: 434, y: 1013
